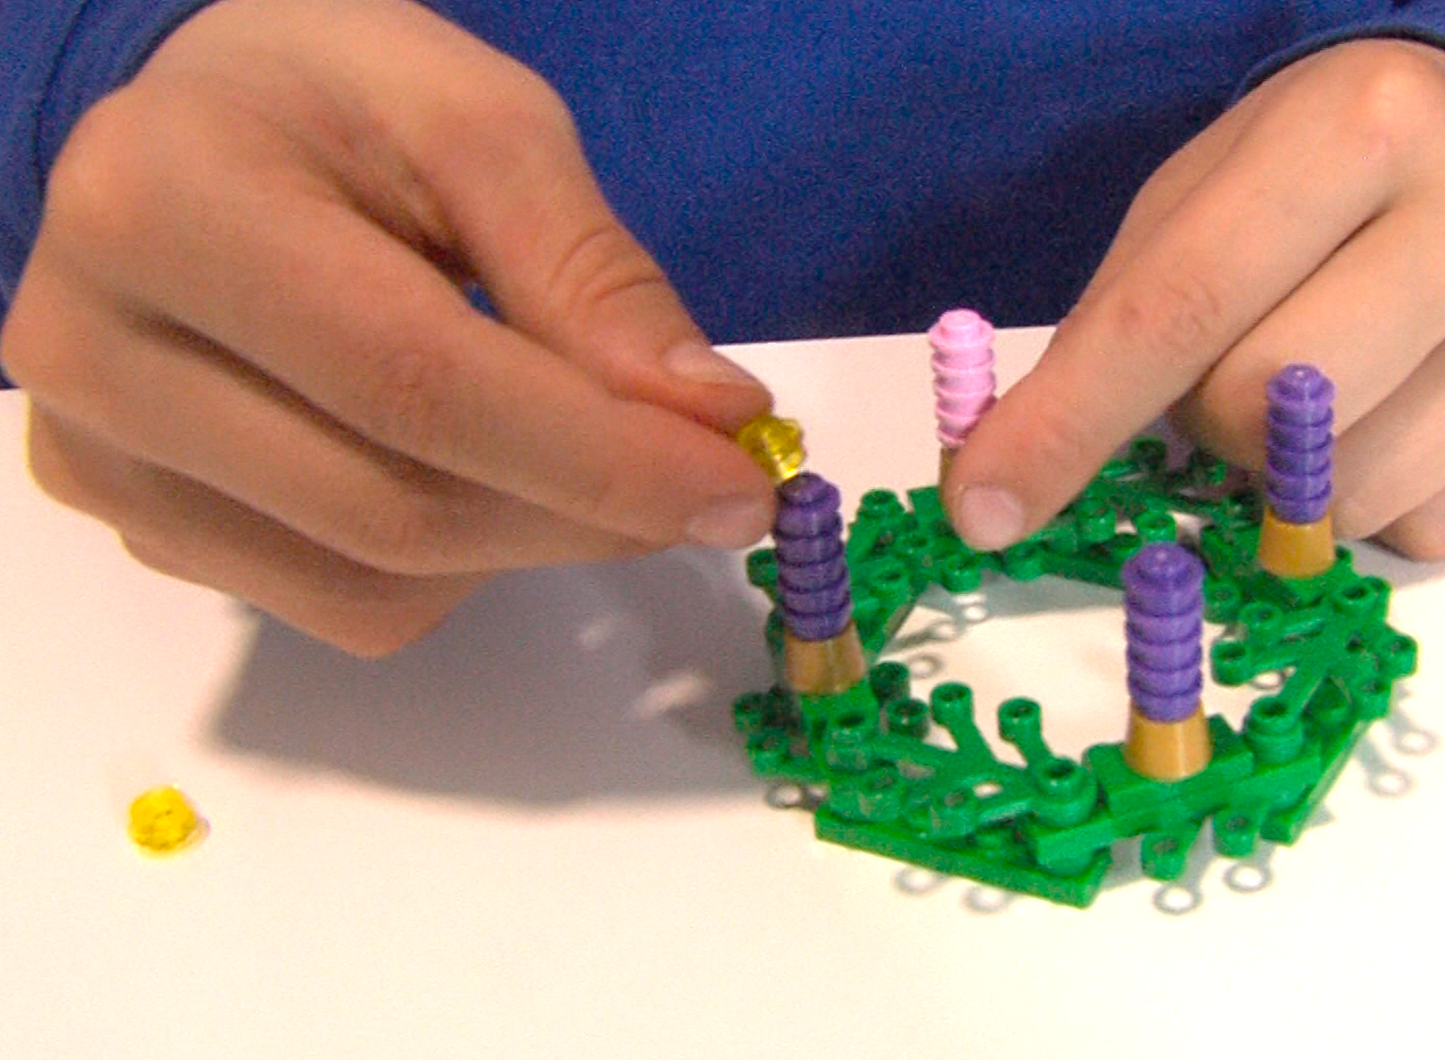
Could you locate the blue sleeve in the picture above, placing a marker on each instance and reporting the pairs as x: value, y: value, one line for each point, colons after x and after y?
x: 57, y: 57
x: 1421, y: 20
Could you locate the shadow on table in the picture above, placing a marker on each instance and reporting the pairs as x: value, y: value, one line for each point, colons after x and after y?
x: 547, y: 686
x: 556, y: 685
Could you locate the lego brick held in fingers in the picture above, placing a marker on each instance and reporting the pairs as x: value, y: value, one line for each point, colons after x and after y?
x: 775, y: 444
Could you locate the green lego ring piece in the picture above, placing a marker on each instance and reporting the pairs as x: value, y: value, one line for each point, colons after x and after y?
x: 1047, y: 828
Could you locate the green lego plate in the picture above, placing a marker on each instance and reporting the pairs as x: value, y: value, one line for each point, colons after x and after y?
x: 1047, y: 827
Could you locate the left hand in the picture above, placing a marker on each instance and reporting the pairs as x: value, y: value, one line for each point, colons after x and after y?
x: 1307, y: 224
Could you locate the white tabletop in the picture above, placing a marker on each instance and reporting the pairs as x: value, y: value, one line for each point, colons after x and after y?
x: 534, y: 834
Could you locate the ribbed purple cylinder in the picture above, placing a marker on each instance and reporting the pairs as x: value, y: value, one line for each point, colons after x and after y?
x: 813, y: 591
x: 1164, y: 624
x: 1299, y: 445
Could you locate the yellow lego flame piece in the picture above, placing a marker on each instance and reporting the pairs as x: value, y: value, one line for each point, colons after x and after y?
x: 163, y: 821
x: 776, y: 444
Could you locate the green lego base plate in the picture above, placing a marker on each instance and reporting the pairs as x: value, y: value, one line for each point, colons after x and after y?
x: 1047, y: 827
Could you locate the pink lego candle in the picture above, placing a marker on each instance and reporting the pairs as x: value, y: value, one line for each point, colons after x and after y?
x: 963, y: 379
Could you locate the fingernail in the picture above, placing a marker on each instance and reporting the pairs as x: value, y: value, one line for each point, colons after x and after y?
x: 987, y: 518
x: 700, y: 363
x: 733, y: 523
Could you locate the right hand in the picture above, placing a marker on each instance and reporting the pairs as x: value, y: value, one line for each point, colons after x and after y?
x: 246, y: 339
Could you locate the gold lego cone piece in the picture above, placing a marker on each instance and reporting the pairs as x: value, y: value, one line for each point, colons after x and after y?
x: 1167, y: 750
x: 824, y: 667
x: 1290, y: 550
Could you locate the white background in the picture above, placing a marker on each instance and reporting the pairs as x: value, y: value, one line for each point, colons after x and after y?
x: 534, y: 834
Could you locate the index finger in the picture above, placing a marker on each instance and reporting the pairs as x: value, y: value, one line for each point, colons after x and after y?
x: 406, y: 361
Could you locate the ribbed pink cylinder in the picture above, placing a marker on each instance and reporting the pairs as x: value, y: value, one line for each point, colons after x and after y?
x: 963, y: 378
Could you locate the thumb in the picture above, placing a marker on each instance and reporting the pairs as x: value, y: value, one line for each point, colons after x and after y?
x: 1097, y: 385
x: 1032, y: 452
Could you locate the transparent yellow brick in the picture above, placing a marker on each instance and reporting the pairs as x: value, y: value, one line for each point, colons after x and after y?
x: 776, y: 444
x: 163, y: 821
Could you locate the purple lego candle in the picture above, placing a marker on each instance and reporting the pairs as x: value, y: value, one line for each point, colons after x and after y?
x: 1299, y: 447
x: 813, y: 591
x: 963, y: 377
x: 1164, y: 621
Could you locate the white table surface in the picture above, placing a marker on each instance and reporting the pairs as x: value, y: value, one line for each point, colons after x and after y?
x: 534, y: 834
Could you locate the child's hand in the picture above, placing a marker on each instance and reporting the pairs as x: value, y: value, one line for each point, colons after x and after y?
x: 1307, y: 224
x: 247, y: 344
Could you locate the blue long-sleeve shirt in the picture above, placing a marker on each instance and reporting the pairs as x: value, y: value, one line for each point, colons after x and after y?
x: 812, y: 167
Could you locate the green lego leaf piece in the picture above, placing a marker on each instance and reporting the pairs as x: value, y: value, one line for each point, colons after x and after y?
x: 997, y: 858
x: 1046, y: 828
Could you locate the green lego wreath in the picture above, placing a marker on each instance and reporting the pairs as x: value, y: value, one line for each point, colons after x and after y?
x: 1046, y: 828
